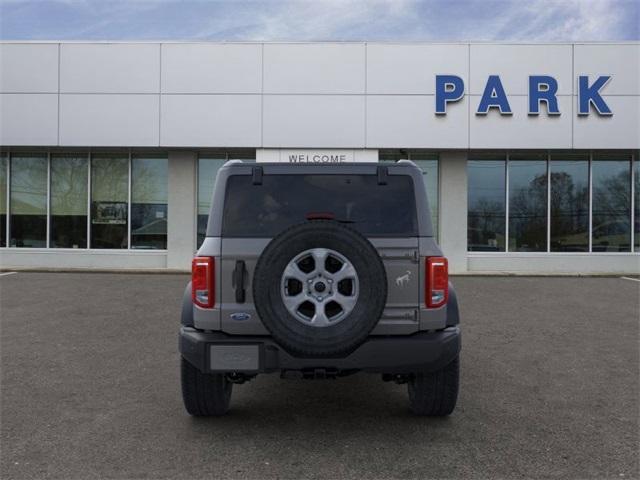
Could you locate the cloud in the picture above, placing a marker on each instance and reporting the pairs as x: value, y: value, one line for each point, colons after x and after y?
x: 331, y: 20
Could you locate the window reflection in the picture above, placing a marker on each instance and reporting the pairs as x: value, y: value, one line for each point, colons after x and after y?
x: 636, y: 202
x: 486, y: 205
x: 570, y: 203
x: 3, y: 200
x: 109, y: 193
x: 611, y: 230
x: 149, y: 196
x: 527, y: 203
x: 207, y: 172
x: 28, y: 223
x: 69, y: 201
x: 429, y: 166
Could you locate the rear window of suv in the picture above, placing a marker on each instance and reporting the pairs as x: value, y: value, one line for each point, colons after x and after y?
x: 284, y: 200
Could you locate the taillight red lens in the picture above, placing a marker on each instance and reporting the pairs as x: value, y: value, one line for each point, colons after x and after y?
x: 437, y: 282
x: 202, y: 282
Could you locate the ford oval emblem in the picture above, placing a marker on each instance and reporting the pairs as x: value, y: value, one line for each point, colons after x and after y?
x: 240, y: 316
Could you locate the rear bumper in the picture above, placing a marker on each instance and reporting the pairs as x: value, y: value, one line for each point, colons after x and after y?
x: 219, y: 352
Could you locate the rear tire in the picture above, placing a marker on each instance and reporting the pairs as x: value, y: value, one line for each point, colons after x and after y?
x: 204, y: 395
x: 435, y: 394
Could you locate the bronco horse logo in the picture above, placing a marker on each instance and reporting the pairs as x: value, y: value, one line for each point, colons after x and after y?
x: 403, y: 279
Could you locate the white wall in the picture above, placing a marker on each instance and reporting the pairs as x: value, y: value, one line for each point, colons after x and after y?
x: 316, y: 95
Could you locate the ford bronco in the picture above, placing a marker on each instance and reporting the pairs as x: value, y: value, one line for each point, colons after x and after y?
x: 319, y: 271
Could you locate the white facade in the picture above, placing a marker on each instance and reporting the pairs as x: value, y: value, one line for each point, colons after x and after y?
x: 184, y: 98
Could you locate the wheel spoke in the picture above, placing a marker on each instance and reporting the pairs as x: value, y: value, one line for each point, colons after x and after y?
x: 346, y: 271
x: 319, y: 257
x: 293, y: 271
x: 293, y: 302
x: 320, y: 318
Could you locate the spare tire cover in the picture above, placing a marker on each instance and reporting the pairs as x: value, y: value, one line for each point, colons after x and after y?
x: 319, y: 288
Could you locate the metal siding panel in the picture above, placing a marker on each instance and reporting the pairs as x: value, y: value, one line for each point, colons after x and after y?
x: 28, y: 68
x: 202, y: 68
x: 314, y: 68
x: 211, y: 120
x: 109, y: 68
x: 28, y: 119
x: 514, y: 64
x: 409, y: 121
x: 620, y: 61
x: 411, y: 69
x: 620, y: 130
x: 314, y: 121
x: 521, y: 130
x: 109, y: 120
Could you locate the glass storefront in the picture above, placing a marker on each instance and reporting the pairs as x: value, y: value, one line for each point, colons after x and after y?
x: 109, y: 197
x: 149, y: 198
x: 527, y: 177
x: 569, y: 210
x: 4, y: 165
x: 486, y: 203
x: 611, y: 184
x: 68, y: 210
x: 28, y: 202
x: 580, y: 202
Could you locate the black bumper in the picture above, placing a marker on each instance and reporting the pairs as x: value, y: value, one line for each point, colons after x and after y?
x: 424, y: 351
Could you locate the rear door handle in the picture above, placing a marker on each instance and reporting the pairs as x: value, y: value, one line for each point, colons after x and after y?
x: 238, y: 281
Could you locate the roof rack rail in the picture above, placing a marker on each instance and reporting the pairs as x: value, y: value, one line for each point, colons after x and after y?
x: 404, y: 161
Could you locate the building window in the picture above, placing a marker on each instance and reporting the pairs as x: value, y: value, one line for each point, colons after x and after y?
x: 527, y: 175
x: 581, y: 202
x: 149, y: 197
x: 611, y: 214
x: 569, y: 209
x: 487, y: 204
x: 68, y: 208
x: 636, y: 202
x: 4, y: 165
x: 109, y: 197
x: 28, y: 204
x: 208, y: 166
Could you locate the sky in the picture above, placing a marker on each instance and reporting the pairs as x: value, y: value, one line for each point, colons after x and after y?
x: 321, y: 20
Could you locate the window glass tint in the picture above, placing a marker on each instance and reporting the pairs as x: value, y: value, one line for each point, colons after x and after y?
x: 636, y: 189
x: 28, y: 201
x: 429, y: 167
x: 69, y: 178
x: 527, y: 204
x: 149, y: 196
x: 3, y: 200
x: 109, y: 193
x: 284, y: 200
x: 611, y: 230
x: 569, y: 203
x: 486, y: 205
x: 207, y: 172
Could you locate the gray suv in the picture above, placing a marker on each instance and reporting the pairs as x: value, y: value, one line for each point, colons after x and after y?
x: 319, y: 271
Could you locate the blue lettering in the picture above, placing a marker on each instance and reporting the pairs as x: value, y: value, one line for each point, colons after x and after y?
x: 494, y: 97
x: 449, y: 88
x: 547, y: 95
x: 590, y: 95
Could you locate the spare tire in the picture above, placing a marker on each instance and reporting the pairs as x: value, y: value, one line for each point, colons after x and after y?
x: 319, y: 288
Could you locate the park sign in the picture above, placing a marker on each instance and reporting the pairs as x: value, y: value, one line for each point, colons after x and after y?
x: 542, y: 90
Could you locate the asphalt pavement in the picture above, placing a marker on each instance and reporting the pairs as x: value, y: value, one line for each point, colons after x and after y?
x: 90, y: 389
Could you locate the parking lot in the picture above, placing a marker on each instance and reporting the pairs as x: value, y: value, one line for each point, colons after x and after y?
x: 90, y: 389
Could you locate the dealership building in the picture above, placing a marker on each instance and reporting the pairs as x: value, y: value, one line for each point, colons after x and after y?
x: 109, y: 151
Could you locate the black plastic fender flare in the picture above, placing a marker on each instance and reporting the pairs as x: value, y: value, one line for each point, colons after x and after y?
x: 186, y: 318
x: 453, y: 314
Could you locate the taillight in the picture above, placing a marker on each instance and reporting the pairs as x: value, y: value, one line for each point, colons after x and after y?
x: 202, y: 281
x: 437, y: 282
